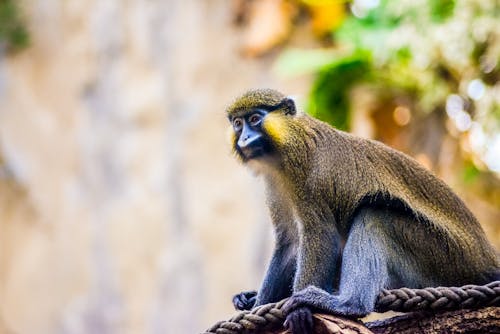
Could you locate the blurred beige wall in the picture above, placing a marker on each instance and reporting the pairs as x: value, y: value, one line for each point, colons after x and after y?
x: 121, y: 208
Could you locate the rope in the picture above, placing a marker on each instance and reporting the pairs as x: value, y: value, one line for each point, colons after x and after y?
x: 261, y: 317
x: 399, y: 300
x: 441, y: 298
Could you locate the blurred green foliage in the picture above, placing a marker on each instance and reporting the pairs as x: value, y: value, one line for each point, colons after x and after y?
x: 331, y: 88
x: 470, y: 173
x: 387, y: 63
x: 13, y: 33
x: 441, y: 9
x: 439, y: 55
x: 426, y: 49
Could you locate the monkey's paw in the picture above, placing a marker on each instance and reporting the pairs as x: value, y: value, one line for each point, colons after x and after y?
x: 319, y: 300
x: 245, y: 300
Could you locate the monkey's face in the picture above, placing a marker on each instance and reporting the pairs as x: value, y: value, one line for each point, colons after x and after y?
x: 260, y: 120
x: 250, y: 141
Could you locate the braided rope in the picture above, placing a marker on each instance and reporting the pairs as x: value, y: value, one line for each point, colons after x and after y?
x: 261, y: 317
x: 441, y: 298
x: 399, y: 300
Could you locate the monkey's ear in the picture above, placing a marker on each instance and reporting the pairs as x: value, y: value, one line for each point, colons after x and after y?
x: 289, y: 106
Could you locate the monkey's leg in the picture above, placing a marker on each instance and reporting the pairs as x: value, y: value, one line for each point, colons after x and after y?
x: 364, y: 272
x: 318, y: 264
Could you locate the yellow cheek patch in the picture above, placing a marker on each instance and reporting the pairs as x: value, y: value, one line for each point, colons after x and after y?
x: 276, y: 127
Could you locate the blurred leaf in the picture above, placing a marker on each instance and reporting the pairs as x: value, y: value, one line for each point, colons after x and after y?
x: 404, y: 55
x: 363, y: 35
x: 441, y: 9
x: 470, y: 173
x: 13, y: 33
x: 329, y: 99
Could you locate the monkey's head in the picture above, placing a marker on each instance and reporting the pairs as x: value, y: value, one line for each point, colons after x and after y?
x: 259, y: 120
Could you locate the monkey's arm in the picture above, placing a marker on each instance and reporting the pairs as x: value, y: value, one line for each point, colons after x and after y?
x: 278, y: 280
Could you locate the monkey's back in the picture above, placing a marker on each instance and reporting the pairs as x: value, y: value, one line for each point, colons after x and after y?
x: 364, y: 172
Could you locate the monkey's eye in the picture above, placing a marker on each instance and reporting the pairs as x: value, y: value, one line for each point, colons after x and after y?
x: 237, y: 124
x: 255, y: 119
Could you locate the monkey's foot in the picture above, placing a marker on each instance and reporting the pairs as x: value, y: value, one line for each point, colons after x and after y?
x: 309, y: 297
x: 245, y: 300
x: 319, y: 300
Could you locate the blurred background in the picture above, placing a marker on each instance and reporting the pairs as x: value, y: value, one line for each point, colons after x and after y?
x: 121, y: 207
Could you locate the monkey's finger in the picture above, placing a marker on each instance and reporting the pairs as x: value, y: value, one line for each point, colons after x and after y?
x: 287, y: 324
x: 251, y: 301
x: 290, y: 324
x: 299, y: 321
x: 237, y: 303
x: 309, y: 320
x: 306, y: 319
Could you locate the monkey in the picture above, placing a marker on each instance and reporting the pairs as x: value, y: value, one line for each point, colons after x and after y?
x: 351, y: 216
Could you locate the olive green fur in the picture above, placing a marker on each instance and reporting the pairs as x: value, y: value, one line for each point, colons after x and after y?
x: 339, y: 171
x: 254, y: 99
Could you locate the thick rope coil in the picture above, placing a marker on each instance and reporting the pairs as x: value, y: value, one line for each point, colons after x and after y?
x: 441, y: 298
x: 399, y: 300
x: 261, y: 317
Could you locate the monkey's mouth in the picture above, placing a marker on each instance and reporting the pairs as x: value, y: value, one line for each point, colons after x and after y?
x: 252, y: 152
x: 256, y: 150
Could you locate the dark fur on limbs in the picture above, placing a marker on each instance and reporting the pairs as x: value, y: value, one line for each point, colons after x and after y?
x: 351, y: 216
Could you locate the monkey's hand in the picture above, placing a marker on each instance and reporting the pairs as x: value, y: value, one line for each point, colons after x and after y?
x: 245, y: 300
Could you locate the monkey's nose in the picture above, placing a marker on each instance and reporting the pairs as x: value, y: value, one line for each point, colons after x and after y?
x: 246, y: 141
